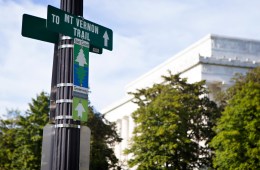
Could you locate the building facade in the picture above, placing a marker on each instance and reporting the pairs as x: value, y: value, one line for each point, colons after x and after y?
x: 214, y: 58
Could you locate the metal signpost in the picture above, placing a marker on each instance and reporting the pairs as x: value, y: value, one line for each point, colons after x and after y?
x: 66, y: 143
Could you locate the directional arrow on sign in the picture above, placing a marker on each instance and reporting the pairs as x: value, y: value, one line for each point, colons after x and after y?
x: 106, y: 38
x: 80, y: 109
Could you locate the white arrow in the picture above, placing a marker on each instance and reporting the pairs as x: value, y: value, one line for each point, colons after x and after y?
x: 80, y: 109
x: 106, y: 38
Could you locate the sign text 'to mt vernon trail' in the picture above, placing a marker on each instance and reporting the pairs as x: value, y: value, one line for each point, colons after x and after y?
x: 77, y: 27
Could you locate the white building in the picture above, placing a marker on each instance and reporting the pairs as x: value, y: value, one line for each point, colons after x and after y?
x: 214, y: 58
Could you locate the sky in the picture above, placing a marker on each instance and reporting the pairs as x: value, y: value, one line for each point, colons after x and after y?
x: 145, y: 34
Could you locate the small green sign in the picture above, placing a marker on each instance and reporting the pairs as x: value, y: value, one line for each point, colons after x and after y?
x: 77, y: 27
x: 80, y: 109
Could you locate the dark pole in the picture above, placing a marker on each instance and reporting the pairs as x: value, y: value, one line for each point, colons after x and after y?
x: 53, y: 85
x: 67, y: 131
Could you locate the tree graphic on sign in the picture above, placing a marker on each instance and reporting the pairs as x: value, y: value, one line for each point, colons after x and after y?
x: 81, y: 71
x: 81, y: 58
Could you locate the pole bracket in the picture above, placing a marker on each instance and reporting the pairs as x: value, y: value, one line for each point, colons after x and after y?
x: 65, y: 46
x: 66, y: 38
x: 67, y: 126
x: 63, y: 117
x: 65, y: 85
x: 64, y: 101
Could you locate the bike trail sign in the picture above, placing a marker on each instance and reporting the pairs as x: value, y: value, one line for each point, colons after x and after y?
x: 80, y: 68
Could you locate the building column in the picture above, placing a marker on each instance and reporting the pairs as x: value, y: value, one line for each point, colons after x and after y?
x: 118, y: 146
x: 125, y: 135
x: 131, y: 127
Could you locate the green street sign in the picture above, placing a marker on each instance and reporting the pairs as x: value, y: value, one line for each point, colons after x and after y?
x: 35, y: 27
x: 77, y: 27
x: 80, y: 109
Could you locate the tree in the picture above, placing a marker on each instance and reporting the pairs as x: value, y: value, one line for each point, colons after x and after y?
x: 103, y: 138
x: 21, y: 136
x: 237, y: 143
x: 173, y: 125
x: 7, y: 135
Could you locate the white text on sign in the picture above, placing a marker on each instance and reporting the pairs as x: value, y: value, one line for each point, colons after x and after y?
x: 79, y: 24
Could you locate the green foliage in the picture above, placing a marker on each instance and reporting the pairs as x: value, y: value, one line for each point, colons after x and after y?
x: 103, y: 138
x: 7, y: 135
x: 237, y: 142
x: 21, y: 136
x: 171, y: 120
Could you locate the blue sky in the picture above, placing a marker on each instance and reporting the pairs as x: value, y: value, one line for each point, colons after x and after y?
x: 146, y: 33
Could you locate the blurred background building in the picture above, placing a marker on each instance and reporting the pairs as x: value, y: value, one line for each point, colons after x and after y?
x: 214, y: 58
